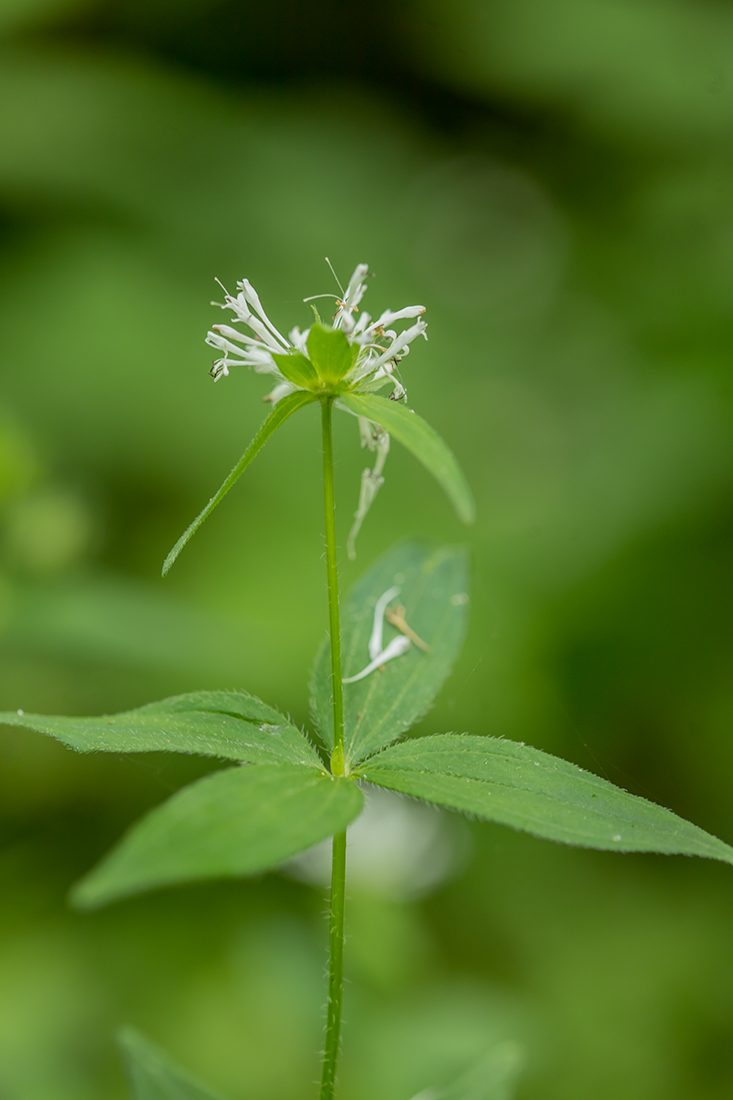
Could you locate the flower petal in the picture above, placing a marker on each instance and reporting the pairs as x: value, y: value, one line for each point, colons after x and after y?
x: 396, y: 648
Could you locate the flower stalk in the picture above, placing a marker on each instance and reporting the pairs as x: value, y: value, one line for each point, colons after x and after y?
x: 338, y: 767
x: 335, y: 968
x: 334, y: 625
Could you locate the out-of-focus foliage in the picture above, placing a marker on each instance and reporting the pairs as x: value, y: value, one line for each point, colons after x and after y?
x: 553, y: 180
x: 655, y: 71
x: 152, y: 1075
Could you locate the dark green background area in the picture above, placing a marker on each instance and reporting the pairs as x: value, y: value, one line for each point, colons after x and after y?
x: 553, y: 180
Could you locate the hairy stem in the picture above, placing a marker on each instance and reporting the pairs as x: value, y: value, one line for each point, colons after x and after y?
x: 335, y: 968
x: 338, y: 866
x: 334, y: 626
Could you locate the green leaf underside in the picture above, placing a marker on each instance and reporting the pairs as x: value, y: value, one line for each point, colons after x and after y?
x: 153, y: 1075
x: 240, y: 821
x: 491, y: 1077
x: 297, y: 369
x: 284, y: 408
x: 520, y: 786
x: 331, y: 352
x: 229, y: 724
x: 417, y: 435
x: 433, y: 590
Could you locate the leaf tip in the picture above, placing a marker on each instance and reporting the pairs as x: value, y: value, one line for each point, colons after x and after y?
x: 467, y: 512
x: 86, y: 895
x: 173, y: 554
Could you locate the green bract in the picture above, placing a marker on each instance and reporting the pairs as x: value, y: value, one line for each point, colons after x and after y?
x: 299, y: 370
x: 324, y: 369
x: 331, y: 354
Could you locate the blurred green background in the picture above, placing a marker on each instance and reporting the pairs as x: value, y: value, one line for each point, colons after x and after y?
x: 553, y: 179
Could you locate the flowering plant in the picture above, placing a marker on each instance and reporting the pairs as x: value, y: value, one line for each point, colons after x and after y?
x: 378, y: 672
x: 345, y: 363
x: 362, y: 360
x: 355, y: 356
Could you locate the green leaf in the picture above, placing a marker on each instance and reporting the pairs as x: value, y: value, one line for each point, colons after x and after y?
x: 414, y: 433
x: 491, y: 1077
x: 520, y: 786
x: 152, y: 1075
x: 297, y: 369
x: 236, y: 822
x: 433, y: 584
x: 229, y: 724
x: 331, y: 353
x: 284, y: 408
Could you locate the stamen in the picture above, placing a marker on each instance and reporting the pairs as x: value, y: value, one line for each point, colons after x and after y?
x: 338, y: 281
x: 396, y: 615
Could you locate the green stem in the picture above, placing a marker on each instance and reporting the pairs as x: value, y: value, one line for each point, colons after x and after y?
x: 335, y: 967
x: 338, y: 865
x: 334, y: 626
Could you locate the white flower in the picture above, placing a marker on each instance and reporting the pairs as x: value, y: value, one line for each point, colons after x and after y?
x: 255, y: 350
x: 379, y: 347
x: 352, y: 297
x: 373, y: 351
x: 376, y: 439
x: 375, y: 638
x: 378, y: 655
x: 396, y: 648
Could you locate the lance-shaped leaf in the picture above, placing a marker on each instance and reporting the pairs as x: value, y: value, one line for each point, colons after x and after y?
x: 153, y: 1075
x: 236, y: 822
x: 284, y: 408
x: 416, y: 434
x: 520, y: 786
x: 433, y: 583
x: 229, y: 724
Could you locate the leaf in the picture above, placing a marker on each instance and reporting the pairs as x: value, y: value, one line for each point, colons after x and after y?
x: 520, y: 786
x: 297, y: 369
x: 416, y: 434
x: 331, y: 353
x: 284, y: 408
x: 491, y: 1077
x: 153, y: 1075
x: 239, y: 821
x: 228, y: 724
x: 433, y: 585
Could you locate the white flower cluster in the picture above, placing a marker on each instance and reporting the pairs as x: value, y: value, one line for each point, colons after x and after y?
x: 380, y: 347
x: 379, y: 350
